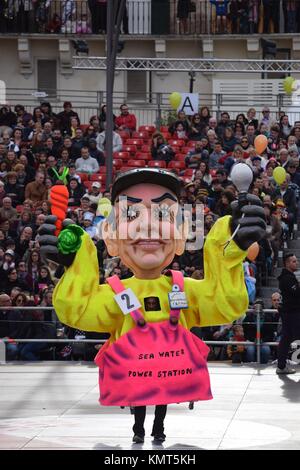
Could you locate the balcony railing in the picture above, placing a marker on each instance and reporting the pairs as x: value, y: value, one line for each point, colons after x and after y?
x: 151, y: 17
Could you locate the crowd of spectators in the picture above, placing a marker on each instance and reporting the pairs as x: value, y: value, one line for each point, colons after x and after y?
x: 256, y: 16
x: 36, y: 147
x: 89, y: 16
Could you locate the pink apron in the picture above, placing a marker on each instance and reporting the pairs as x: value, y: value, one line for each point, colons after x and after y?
x: 154, y: 363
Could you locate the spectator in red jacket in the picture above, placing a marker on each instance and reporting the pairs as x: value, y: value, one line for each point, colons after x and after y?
x: 126, y: 121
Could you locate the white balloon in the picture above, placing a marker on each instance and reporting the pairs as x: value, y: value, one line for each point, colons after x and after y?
x: 242, y: 177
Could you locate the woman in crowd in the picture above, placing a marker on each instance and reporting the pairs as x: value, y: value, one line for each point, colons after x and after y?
x: 34, y: 263
x: 285, y: 127
x: 76, y: 191
x: 229, y: 140
x: 205, y: 116
x: 197, y: 127
x: 44, y: 280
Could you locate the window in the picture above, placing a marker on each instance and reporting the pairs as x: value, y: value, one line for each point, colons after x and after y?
x: 47, y: 77
x: 136, y: 85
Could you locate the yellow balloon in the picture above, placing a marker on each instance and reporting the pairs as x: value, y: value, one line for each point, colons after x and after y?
x: 104, y: 207
x: 288, y: 85
x: 279, y: 175
x: 253, y: 251
x: 260, y: 143
x: 175, y: 100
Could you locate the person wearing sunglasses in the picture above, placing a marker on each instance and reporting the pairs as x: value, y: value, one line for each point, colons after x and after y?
x: 292, y: 169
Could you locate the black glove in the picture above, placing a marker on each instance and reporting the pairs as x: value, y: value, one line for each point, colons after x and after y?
x: 48, y: 241
x: 252, y: 225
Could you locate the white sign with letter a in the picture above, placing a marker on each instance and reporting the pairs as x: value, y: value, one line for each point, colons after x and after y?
x: 189, y: 103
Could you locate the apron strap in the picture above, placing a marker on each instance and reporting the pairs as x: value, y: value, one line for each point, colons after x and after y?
x: 178, y: 280
x: 118, y: 287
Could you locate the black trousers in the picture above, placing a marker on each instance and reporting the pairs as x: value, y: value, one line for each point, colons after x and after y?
x: 290, y: 332
x: 158, y: 424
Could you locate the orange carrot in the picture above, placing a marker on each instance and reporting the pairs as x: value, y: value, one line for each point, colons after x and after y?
x: 59, y: 197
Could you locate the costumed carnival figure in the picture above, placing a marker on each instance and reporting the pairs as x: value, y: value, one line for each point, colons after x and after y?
x: 152, y: 358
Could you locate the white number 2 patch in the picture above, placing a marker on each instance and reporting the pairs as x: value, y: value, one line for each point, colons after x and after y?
x: 127, y: 301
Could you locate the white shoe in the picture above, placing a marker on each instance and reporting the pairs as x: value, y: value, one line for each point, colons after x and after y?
x: 287, y: 370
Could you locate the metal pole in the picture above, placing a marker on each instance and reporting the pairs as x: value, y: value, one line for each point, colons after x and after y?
x: 258, y: 308
x: 115, y: 11
x: 2, y: 352
x: 109, y: 94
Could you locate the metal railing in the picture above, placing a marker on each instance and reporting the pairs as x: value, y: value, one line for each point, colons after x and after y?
x: 152, y: 108
x: 258, y: 343
x: 148, y: 17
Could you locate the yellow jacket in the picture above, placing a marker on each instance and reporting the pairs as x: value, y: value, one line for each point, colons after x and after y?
x: 220, y: 298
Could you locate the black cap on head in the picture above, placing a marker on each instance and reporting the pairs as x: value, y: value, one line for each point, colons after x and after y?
x: 158, y: 176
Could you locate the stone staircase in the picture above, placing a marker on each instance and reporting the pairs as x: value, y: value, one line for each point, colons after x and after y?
x: 292, y: 246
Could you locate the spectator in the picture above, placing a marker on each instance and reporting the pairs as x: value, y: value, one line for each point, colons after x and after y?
x: 283, y: 157
x: 88, y: 218
x: 36, y: 191
x: 76, y: 192
x: 8, y: 119
x: 215, y: 156
x: 181, y: 117
x: 102, y: 118
x: 222, y: 124
x: 34, y: 263
x: 89, y: 133
x: 95, y: 194
x: 78, y: 142
x: 268, y: 330
x: 183, y: 12
x: 221, y: 14
x: 253, y: 16
x: 64, y: 118
x: 86, y: 164
x: 292, y: 169
x: 204, y: 115
x: 290, y: 9
x: 223, y: 205
x: 13, y: 190
x: 160, y: 150
x: 288, y: 196
x: 23, y: 242
x: 5, y: 327
x: 95, y: 153
x: 180, y: 133
x: 285, y: 127
x: 101, y: 141
x: 11, y: 280
x: 229, y: 140
x: 290, y: 291
x: 126, y: 121
x: 237, y: 353
x: 266, y: 116
x: 251, y: 118
x: 7, y: 211
x: 23, y: 116
x: 251, y: 133
x: 196, y: 156
x: 44, y: 280
x: 239, y: 131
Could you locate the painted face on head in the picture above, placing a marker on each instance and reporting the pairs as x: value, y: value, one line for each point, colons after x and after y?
x: 147, y: 237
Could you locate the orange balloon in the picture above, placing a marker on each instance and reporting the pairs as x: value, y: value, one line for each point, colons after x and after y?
x: 253, y: 251
x: 260, y: 143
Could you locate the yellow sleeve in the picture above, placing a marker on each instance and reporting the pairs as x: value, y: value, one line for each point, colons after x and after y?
x: 80, y: 301
x: 221, y: 297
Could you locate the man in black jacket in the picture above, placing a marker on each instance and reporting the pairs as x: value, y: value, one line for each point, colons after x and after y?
x: 290, y: 291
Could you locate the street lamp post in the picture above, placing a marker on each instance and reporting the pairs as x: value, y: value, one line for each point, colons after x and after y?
x: 115, y: 12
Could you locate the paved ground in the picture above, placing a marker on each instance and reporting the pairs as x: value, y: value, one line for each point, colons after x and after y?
x: 55, y: 406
